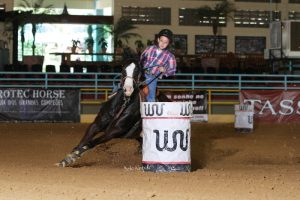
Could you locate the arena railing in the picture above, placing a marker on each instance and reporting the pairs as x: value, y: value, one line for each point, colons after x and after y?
x: 96, y: 87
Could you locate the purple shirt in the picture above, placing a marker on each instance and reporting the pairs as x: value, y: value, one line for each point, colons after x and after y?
x: 150, y: 60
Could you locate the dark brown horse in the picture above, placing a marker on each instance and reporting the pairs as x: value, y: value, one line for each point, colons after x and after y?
x: 119, y: 117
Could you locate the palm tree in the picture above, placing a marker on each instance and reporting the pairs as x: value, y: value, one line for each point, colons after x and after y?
x: 214, y: 15
x: 120, y: 31
x: 35, y: 8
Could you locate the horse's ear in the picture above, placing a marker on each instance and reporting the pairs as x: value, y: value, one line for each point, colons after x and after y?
x: 129, y: 61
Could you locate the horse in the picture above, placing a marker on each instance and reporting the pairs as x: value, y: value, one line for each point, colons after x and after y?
x: 118, y: 117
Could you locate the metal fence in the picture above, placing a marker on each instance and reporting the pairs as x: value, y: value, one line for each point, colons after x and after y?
x: 222, y: 89
x: 98, y: 85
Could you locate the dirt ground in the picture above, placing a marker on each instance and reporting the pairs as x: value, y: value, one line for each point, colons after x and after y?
x: 227, y: 165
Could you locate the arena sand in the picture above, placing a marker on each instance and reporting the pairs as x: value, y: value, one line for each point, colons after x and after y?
x: 226, y: 165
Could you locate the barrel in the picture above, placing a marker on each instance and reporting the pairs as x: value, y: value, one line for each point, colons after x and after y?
x: 166, y: 136
x: 243, y: 118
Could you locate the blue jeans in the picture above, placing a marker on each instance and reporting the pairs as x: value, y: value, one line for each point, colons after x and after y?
x: 151, y: 87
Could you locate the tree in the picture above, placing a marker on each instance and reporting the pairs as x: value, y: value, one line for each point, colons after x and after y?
x: 215, y: 14
x: 120, y: 31
x: 35, y: 8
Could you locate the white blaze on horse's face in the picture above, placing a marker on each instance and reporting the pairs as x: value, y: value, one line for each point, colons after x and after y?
x: 129, y: 81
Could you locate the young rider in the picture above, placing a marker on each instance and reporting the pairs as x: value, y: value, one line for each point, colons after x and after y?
x: 157, y: 59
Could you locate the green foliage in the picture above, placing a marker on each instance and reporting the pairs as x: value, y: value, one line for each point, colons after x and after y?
x: 223, y: 9
x: 214, y: 14
x: 36, y: 7
x: 150, y: 42
x: 103, y: 43
x: 119, y: 44
x: 139, y: 44
x: 120, y: 31
x: 75, y: 43
x: 89, y: 41
x: 90, y: 30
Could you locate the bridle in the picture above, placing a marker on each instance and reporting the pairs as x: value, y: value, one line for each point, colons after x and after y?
x: 126, y: 99
x: 130, y: 77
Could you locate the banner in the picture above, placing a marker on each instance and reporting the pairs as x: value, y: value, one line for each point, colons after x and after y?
x: 199, y: 100
x: 274, y: 106
x: 39, y: 105
x: 166, y: 136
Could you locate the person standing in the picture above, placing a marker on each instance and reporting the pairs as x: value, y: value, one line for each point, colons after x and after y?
x: 157, y: 59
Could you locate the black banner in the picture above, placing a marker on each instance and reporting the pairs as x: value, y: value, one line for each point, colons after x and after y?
x: 39, y: 105
x: 199, y: 100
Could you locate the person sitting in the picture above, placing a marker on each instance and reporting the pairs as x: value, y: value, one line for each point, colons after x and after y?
x: 157, y: 60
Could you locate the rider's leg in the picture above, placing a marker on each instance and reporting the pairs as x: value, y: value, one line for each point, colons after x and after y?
x: 151, y: 87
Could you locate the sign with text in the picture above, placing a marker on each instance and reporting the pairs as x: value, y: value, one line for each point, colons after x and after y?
x: 198, y: 99
x: 39, y: 105
x: 274, y: 106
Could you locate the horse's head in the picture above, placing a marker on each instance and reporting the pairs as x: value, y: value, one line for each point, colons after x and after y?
x: 131, y: 76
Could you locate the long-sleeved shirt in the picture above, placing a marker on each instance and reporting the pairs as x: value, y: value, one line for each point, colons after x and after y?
x: 151, y: 60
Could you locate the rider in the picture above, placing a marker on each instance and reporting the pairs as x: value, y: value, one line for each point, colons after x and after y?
x: 158, y: 60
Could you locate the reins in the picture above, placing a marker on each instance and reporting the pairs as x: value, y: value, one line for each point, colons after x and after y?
x: 140, y: 85
x: 144, y: 84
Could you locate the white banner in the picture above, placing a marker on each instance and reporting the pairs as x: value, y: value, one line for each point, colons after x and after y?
x: 166, y: 132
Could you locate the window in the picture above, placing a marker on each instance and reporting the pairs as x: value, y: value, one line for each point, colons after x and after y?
x: 180, y: 43
x: 190, y: 17
x: 250, y: 18
x: 147, y: 15
x: 294, y: 15
x: 2, y: 8
x: 250, y: 45
x: 205, y: 44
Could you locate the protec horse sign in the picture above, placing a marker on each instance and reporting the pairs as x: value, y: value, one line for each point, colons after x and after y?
x: 166, y: 136
x: 39, y: 105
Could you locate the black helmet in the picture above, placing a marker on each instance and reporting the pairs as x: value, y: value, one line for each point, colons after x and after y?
x: 167, y: 33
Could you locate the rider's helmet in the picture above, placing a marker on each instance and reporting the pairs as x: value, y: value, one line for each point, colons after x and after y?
x: 167, y: 33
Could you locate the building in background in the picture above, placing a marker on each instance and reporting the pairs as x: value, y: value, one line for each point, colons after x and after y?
x: 247, y: 32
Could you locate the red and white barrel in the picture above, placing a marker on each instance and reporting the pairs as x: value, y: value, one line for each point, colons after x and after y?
x: 166, y: 136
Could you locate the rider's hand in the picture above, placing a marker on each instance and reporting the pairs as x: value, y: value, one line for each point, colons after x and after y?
x: 162, y: 69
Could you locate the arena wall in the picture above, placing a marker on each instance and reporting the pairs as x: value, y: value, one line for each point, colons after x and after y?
x: 216, y: 118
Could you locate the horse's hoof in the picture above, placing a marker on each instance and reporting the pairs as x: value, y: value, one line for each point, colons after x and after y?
x: 62, y: 163
x: 68, y: 160
x: 72, y: 157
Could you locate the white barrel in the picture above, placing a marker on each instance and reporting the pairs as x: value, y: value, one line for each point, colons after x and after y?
x: 244, y: 118
x: 166, y: 136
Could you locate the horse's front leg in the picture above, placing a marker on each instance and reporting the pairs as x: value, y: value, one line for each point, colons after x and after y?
x: 127, y: 125
x: 82, y: 147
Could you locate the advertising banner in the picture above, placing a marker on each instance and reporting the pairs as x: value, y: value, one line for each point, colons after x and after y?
x: 274, y: 106
x: 199, y: 100
x: 166, y: 136
x: 39, y: 105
